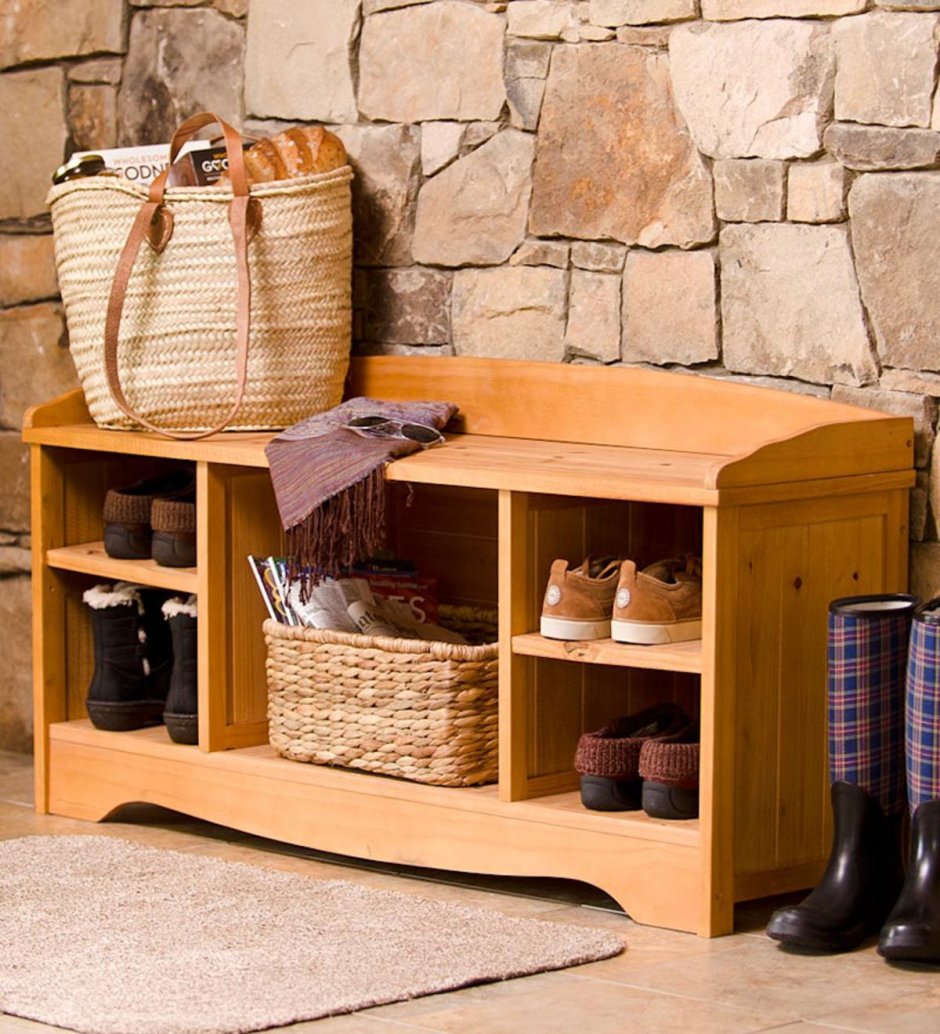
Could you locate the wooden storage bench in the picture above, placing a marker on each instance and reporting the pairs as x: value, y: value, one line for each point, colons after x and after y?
x: 790, y: 500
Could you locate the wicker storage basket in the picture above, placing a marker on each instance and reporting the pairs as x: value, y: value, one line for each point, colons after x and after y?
x: 177, y: 360
x: 424, y: 711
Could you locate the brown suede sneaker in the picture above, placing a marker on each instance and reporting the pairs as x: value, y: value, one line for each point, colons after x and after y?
x: 578, y: 602
x: 660, y: 604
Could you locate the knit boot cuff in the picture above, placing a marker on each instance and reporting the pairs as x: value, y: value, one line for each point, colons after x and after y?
x: 675, y: 764
x: 172, y: 516
x: 603, y: 755
x: 122, y: 508
x: 614, y: 751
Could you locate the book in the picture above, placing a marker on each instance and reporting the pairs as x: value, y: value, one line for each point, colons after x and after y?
x: 383, y: 565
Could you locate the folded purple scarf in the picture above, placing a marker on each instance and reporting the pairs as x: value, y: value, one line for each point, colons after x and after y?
x: 330, y: 486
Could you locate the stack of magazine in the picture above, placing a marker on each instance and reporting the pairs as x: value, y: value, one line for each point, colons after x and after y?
x: 376, y: 601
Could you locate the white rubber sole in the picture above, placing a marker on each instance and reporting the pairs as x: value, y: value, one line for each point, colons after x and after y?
x: 566, y: 628
x: 648, y: 633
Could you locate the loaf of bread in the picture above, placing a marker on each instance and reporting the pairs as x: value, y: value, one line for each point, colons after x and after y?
x: 295, y: 152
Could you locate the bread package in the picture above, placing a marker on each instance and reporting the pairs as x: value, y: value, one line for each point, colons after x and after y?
x: 295, y: 152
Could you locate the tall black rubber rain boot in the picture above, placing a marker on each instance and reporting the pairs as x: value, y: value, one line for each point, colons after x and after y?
x: 859, y: 886
x: 912, y: 930
x: 867, y: 658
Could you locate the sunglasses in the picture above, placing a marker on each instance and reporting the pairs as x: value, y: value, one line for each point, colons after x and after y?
x: 381, y: 427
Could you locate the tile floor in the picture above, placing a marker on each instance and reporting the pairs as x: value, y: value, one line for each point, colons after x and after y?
x: 665, y: 981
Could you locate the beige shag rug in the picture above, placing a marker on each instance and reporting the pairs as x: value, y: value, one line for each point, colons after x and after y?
x: 105, y: 936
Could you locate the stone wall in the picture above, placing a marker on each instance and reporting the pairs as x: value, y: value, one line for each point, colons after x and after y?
x: 742, y: 188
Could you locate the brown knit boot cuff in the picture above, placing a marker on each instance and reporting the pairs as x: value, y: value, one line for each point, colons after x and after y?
x: 614, y: 751
x: 614, y: 757
x: 174, y: 517
x: 120, y: 508
x: 675, y: 764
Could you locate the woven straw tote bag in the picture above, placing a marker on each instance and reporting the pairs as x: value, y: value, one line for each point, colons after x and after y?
x: 236, y: 313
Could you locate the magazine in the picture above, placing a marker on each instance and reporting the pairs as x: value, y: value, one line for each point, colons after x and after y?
x: 269, y: 575
x: 402, y: 606
x: 418, y: 594
x: 327, y: 605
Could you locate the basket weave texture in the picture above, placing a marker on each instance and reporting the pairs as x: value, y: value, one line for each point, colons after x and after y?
x: 424, y: 711
x: 176, y: 355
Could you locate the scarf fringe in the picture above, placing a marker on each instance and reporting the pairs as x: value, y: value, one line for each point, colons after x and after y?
x: 347, y: 528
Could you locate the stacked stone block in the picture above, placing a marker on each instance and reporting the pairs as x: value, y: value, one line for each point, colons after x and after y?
x: 742, y: 188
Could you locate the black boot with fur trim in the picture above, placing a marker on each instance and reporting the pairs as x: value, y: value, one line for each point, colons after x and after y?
x: 133, y: 657
x: 180, y: 715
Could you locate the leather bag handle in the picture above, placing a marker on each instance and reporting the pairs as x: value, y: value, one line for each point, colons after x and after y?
x: 154, y: 223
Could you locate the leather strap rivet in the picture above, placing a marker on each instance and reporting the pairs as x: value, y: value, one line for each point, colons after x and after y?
x: 160, y: 229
